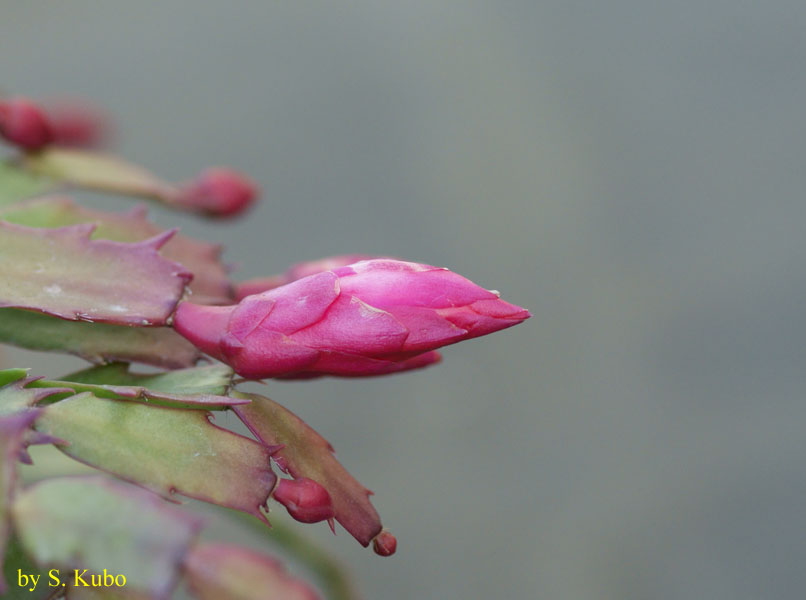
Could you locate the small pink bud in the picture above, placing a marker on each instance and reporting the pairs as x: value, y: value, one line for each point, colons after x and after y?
x: 384, y: 544
x: 297, y: 271
x: 24, y: 124
x: 219, y: 192
x: 77, y: 124
x: 305, y: 500
x: 369, y: 318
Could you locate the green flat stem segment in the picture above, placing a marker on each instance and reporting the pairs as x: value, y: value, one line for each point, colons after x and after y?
x: 305, y: 453
x: 96, y: 342
x: 210, y: 379
x: 198, y: 387
x: 210, y: 285
x: 63, y: 273
x: 98, y: 171
x: 16, y: 395
x: 12, y: 431
x: 166, y: 450
x: 16, y: 184
x: 96, y: 523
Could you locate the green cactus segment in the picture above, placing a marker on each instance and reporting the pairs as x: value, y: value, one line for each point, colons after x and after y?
x: 16, y: 184
x: 201, y: 387
x: 164, y: 449
x: 15, y: 395
x: 140, y: 394
x: 210, y: 285
x: 308, y: 454
x: 62, y: 273
x: 216, y: 571
x: 11, y: 375
x: 16, y: 561
x: 211, y: 379
x: 12, y: 432
x: 97, y: 524
x: 96, y: 342
x: 98, y: 171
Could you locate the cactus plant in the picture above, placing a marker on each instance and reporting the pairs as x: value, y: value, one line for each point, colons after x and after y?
x: 116, y: 289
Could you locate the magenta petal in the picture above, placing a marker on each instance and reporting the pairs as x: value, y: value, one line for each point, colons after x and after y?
x: 387, y: 283
x: 348, y: 365
x: 271, y: 354
x: 499, y: 309
x: 301, y: 303
x: 425, y: 359
x: 480, y: 324
x: 427, y: 329
x: 353, y: 326
x: 351, y: 365
x: 248, y: 315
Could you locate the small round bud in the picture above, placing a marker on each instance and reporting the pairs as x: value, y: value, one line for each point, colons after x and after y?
x: 384, y: 544
x: 77, y: 124
x: 305, y: 500
x: 219, y: 192
x: 24, y: 124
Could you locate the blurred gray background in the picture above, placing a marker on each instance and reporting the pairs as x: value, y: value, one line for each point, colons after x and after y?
x: 631, y: 172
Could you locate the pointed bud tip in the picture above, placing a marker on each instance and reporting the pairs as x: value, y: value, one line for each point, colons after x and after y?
x: 219, y: 192
x: 384, y: 544
x: 305, y: 500
x: 24, y: 124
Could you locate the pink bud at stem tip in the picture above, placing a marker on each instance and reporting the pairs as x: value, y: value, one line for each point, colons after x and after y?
x: 218, y: 192
x: 373, y: 317
x: 24, y: 124
x: 384, y: 544
x: 305, y: 500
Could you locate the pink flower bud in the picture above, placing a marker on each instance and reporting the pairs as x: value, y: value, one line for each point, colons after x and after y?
x: 77, y: 123
x: 297, y: 271
x: 24, y: 124
x: 305, y: 500
x: 370, y: 318
x: 384, y: 544
x: 218, y: 192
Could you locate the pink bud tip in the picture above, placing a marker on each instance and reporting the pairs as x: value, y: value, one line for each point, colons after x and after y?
x: 24, y: 124
x: 77, y: 124
x: 384, y: 544
x: 370, y: 318
x: 305, y: 500
x: 219, y: 192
